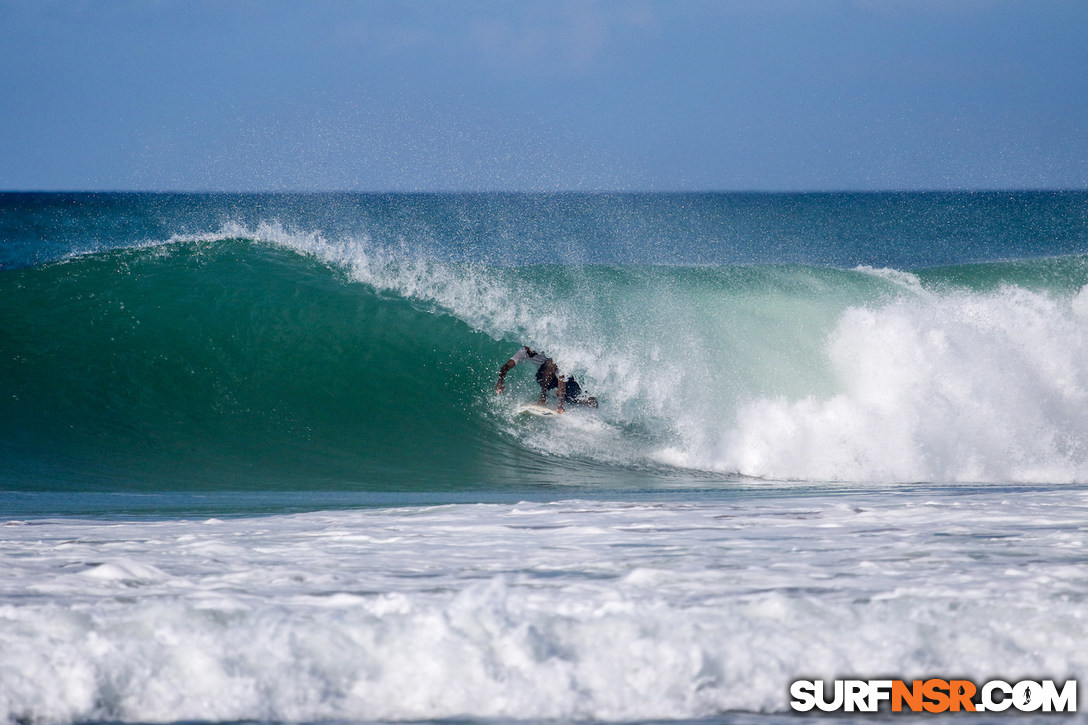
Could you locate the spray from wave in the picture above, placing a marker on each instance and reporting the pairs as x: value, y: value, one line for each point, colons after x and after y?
x: 944, y: 387
x: 969, y: 373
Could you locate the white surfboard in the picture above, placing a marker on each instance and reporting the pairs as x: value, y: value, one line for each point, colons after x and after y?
x: 535, y: 409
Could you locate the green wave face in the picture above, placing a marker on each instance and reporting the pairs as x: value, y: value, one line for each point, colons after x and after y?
x: 227, y: 364
x: 256, y: 363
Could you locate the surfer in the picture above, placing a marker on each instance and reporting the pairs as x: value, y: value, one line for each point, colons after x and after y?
x: 547, y: 376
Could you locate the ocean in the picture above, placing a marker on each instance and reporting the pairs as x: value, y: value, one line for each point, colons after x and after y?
x: 253, y: 466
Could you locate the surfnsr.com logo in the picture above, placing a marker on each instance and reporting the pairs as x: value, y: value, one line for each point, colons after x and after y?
x: 933, y: 696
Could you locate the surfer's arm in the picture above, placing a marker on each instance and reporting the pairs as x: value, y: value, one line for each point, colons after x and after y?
x: 506, y: 367
x: 562, y: 392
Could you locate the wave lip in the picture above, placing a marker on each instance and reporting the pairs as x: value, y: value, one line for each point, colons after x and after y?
x: 350, y: 363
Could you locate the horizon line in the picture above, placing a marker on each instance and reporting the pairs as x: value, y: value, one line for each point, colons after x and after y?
x: 558, y: 192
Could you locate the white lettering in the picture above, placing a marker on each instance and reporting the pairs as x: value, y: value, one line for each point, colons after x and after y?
x: 821, y: 698
x: 804, y: 695
x: 1027, y: 696
x: 988, y: 698
x: 856, y: 695
x: 1065, y: 701
x: 994, y: 696
x: 879, y: 690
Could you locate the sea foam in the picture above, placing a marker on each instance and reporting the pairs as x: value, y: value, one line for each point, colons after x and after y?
x: 948, y: 387
x: 569, y: 610
x: 775, y: 372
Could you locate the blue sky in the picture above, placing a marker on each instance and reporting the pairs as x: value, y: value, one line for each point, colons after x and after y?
x: 767, y: 95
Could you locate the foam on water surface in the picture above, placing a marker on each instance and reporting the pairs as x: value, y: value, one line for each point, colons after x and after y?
x: 569, y: 610
x: 195, y: 358
x: 795, y: 374
x: 264, y: 335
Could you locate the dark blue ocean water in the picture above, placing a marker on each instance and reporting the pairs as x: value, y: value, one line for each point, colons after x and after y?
x: 899, y: 230
x: 253, y: 467
x: 350, y: 342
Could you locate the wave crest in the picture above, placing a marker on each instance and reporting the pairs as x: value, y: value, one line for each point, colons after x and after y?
x: 957, y: 387
x: 339, y: 352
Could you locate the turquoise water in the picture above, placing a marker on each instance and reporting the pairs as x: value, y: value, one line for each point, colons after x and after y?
x: 899, y: 230
x: 252, y: 466
x: 172, y: 342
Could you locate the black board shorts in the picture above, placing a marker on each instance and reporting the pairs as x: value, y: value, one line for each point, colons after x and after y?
x: 574, y: 390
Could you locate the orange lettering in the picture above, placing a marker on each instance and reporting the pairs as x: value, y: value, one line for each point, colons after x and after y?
x: 961, y: 692
x: 912, y: 696
x: 935, y: 691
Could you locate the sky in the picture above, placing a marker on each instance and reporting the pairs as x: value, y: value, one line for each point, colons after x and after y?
x: 522, y: 95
